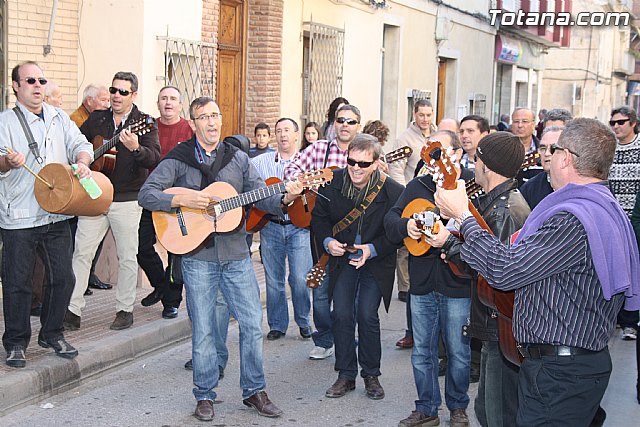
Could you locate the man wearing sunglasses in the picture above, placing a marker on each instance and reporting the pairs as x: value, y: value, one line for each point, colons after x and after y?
x: 362, y: 262
x: 135, y: 155
x: 24, y: 225
x: 439, y: 305
x: 322, y: 154
x: 624, y: 181
x: 565, y: 313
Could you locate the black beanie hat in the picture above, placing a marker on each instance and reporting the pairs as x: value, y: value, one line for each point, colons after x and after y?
x: 502, y: 152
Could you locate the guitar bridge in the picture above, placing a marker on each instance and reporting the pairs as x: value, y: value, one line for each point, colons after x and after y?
x: 427, y: 222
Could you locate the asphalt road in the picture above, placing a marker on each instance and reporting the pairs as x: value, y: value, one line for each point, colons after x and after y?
x: 156, y: 390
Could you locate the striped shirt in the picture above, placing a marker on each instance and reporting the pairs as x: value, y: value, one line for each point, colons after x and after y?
x: 312, y: 158
x: 559, y: 298
x: 270, y: 165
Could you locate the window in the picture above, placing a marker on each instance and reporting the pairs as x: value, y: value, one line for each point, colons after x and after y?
x: 322, y: 69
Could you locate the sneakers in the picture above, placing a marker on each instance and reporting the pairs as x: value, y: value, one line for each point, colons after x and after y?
x: 60, y: 346
x: 319, y: 353
x: 71, y: 321
x: 418, y: 419
x: 459, y: 418
x: 16, y: 357
x: 123, y: 320
x: 306, y: 332
x: 629, y: 334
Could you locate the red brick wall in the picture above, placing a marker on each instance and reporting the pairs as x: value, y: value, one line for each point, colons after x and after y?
x: 264, y: 63
x: 210, y: 19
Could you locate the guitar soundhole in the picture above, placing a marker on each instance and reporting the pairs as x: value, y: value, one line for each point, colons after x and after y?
x: 211, y: 212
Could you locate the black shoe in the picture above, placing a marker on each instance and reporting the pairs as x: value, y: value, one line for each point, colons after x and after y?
x: 474, y: 375
x: 402, y: 296
x: 373, y: 387
x: 274, y: 335
x: 96, y: 283
x: 123, y: 320
x: 88, y: 291
x: 16, y: 358
x: 189, y: 365
x: 36, y: 311
x: 442, y: 368
x: 71, y: 321
x: 60, y: 346
x: 305, y: 332
x: 169, y: 313
x: 153, y: 298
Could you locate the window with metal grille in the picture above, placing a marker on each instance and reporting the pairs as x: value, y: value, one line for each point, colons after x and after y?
x: 478, y: 104
x: 322, y: 69
x: 414, y: 96
x: 189, y: 66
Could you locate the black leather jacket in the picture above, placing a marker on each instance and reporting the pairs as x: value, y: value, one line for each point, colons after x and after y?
x: 504, y: 210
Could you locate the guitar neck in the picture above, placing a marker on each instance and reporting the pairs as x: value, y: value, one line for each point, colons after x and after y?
x: 250, y: 197
x: 106, y: 146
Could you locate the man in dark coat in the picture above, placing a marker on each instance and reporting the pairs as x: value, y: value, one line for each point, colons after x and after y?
x: 362, y: 261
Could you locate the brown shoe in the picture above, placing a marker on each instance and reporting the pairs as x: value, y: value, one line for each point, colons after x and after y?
x: 263, y: 405
x: 341, y: 387
x: 418, y: 419
x: 124, y: 320
x: 204, y: 410
x: 459, y: 418
x: 405, y: 342
x: 373, y: 387
x: 71, y: 321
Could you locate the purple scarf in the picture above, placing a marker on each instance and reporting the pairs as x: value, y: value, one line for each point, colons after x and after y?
x: 611, y: 238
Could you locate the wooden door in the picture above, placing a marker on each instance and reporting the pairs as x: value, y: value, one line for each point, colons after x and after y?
x: 442, y: 78
x: 231, y: 66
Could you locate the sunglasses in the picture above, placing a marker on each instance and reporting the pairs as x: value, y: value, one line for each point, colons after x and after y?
x: 32, y: 80
x: 113, y: 90
x: 554, y: 147
x: 350, y: 122
x: 363, y: 165
x: 618, y: 122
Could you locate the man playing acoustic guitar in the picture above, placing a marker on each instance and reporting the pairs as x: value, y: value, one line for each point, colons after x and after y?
x: 497, y: 160
x: 220, y: 262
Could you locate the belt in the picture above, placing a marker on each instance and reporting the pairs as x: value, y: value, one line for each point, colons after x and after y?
x: 536, y: 351
x: 280, y: 221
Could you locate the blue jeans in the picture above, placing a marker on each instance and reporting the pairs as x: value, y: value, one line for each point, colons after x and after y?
x: 357, y: 296
x: 238, y: 283
x: 497, y: 401
x: 433, y: 314
x: 280, y: 243
x: 18, y: 260
x: 322, y: 318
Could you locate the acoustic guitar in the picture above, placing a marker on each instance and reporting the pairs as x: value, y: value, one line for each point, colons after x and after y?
x: 300, y: 211
x: 185, y: 229
x: 258, y: 219
x: 441, y: 168
x: 104, y: 154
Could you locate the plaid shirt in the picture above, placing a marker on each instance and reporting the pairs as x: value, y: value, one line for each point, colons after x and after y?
x: 312, y: 158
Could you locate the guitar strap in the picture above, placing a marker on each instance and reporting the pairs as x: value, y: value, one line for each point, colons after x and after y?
x: 359, y: 210
x: 33, y: 146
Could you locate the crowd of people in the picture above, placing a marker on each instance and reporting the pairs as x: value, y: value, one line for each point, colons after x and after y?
x: 515, y: 247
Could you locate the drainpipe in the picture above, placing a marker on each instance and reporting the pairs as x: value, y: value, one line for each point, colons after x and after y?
x: 46, y: 49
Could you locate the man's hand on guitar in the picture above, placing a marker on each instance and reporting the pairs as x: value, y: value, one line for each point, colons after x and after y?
x: 452, y: 203
x: 360, y: 261
x: 193, y: 200
x: 383, y: 166
x: 438, y: 240
x: 412, y: 229
x: 294, y: 189
x: 336, y: 248
x: 129, y: 140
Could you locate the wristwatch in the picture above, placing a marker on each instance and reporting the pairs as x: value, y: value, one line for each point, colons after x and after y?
x: 462, y: 217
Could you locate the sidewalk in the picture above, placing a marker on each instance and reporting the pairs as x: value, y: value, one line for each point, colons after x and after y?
x: 101, y: 349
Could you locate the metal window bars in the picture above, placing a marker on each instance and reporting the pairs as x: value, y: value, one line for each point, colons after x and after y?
x: 189, y: 66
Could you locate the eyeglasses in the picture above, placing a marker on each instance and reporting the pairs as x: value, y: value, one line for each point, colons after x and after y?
x: 207, y: 117
x: 363, y: 165
x: 620, y: 122
x: 32, y: 80
x: 523, y: 122
x: 350, y: 122
x: 113, y: 90
x: 554, y: 147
